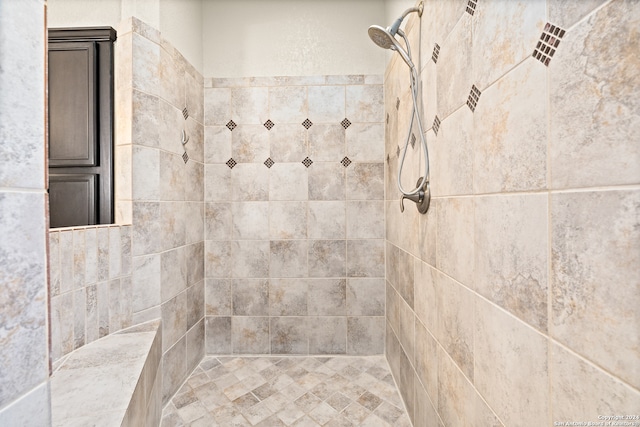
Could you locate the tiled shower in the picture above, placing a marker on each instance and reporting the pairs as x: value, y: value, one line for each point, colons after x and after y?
x: 511, y: 302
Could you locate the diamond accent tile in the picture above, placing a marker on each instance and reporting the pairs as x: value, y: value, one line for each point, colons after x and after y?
x: 413, y: 140
x: 471, y: 7
x: 307, y: 162
x: 185, y: 157
x: 387, y: 118
x: 436, y: 125
x: 345, y: 162
x: 307, y: 123
x: 436, y: 52
x: 548, y: 43
x: 345, y: 123
x: 474, y: 96
x: 185, y: 113
x: 231, y: 125
x: 269, y: 124
x: 268, y: 163
x: 397, y: 103
x: 231, y: 163
x: 398, y: 151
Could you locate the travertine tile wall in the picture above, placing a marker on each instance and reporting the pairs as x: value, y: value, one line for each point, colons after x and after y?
x: 294, y: 223
x: 513, y: 301
x: 24, y: 359
x: 160, y: 194
x: 90, y: 285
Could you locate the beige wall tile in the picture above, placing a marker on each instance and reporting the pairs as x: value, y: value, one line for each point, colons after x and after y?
x: 326, y: 104
x: 250, y: 143
x: 288, y: 181
x: 327, y: 297
x: 288, y: 104
x: 288, y: 142
x: 365, y: 103
x: 288, y: 258
x: 289, y: 335
x: 249, y: 182
x: 512, y: 270
x: 365, y: 181
x: 217, y: 144
x: 365, y: 219
x: 250, y: 297
x: 287, y: 220
x: 250, y: 105
x: 218, y: 335
x: 365, y: 258
x: 327, y: 258
x: 365, y: 335
x: 217, y: 297
x: 250, y: 335
x: 455, y: 249
x: 288, y: 297
x: 510, y: 366
x: 250, y: 258
x: 591, y: 274
x: 174, y: 368
x: 327, y: 335
x: 174, y: 321
x: 217, y: 106
x: 327, y: 220
x: 326, y: 181
x: 365, y: 297
x: 364, y: 142
x: 593, y: 135
x: 326, y: 142
x: 250, y: 220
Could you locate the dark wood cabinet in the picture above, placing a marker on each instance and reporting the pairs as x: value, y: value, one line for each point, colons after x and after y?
x: 81, y: 126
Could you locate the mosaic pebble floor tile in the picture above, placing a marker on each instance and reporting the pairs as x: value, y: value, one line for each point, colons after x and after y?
x: 288, y: 391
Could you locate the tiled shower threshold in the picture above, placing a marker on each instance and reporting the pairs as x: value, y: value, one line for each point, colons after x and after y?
x: 272, y: 391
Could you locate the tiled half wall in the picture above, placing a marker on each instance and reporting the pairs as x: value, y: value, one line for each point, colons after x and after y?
x: 294, y: 215
x: 513, y: 301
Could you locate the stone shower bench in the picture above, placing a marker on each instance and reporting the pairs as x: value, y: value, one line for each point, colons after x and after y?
x: 111, y: 382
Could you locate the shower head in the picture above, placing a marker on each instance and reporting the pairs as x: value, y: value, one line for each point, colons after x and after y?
x: 381, y: 36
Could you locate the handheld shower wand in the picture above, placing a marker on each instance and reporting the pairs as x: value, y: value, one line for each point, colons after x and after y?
x: 386, y: 39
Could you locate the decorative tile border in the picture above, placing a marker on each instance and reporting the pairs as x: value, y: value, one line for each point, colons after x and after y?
x: 548, y: 44
x: 471, y: 7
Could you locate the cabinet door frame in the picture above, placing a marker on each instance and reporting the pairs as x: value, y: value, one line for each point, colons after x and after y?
x: 102, y: 38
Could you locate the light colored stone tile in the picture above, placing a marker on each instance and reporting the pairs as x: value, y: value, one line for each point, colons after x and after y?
x: 61, y: 325
x: 326, y: 142
x: 365, y: 297
x: 326, y: 181
x: 451, y: 156
x: 195, y: 304
x: 287, y: 220
x: 327, y: 258
x: 288, y: 258
x: 172, y: 224
x: 250, y: 182
x: 173, y: 273
x: 365, y: 258
x: 218, y: 258
x: 581, y: 391
x: 250, y: 258
x: 79, y: 258
x: 30, y: 410
x: 250, y: 105
x: 146, y: 280
x: 455, y: 68
x: 174, y: 320
x: 79, y: 314
x: 146, y: 76
x: 327, y: 220
x: 217, y: 183
x: 288, y: 181
x: 288, y: 143
x: 327, y: 335
x: 504, y: 35
x: 455, y: 393
x: 217, y: 144
x: 365, y: 335
x: 90, y: 256
x: 426, y: 362
x: 595, y: 250
x: 250, y: 297
x: 250, y: 335
x: 365, y: 181
x: 217, y: 221
x: 327, y: 297
x: 146, y: 173
x: 400, y: 273
x: 289, y: 335
x: 365, y: 103
x: 426, y: 295
x: 510, y: 143
x: 510, y: 366
x: 512, y: 270
x: 365, y: 219
x: 365, y: 142
x: 171, y: 123
x: 455, y: 230
x: 288, y: 297
x: 174, y: 368
x: 250, y: 220
x: 567, y: 14
x: 250, y: 143
x: 326, y: 104
x: 217, y: 297
x: 217, y: 106
x: 288, y: 104
x: 218, y: 335
x: 195, y: 345
x: 592, y: 136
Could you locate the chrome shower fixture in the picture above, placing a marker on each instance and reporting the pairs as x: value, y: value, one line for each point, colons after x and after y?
x: 386, y: 39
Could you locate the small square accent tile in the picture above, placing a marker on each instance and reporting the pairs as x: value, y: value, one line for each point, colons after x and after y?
x: 185, y: 113
x: 231, y: 163
x: 345, y: 123
x: 345, y: 162
x: 268, y: 163
x: 413, y: 140
x: 471, y: 7
x: 548, y: 43
x: 387, y: 118
x: 436, y: 52
x: 307, y: 162
x: 398, y: 151
x: 185, y: 157
x: 231, y: 125
x: 307, y: 123
x: 397, y: 103
x: 436, y: 125
x: 474, y: 96
x: 269, y: 124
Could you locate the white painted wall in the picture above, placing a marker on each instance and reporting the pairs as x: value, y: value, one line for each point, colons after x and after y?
x: 243, y: 38
x: 179, y: 21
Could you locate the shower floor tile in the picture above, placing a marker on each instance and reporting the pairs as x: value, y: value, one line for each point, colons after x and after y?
x: 288, y: 391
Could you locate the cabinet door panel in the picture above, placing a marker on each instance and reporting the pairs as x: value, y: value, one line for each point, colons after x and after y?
x: 72, y: 199
x: 72, y: 101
